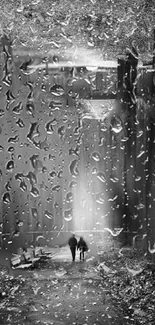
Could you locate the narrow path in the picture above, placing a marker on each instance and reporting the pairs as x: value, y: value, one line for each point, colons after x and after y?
x: 60, y: 292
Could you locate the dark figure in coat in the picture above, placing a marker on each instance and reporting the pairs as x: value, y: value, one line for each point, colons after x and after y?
x: 72, y: 244
x: 82, y: 246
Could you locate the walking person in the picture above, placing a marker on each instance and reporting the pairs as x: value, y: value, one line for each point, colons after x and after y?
x: 82, y: 246
x: 73, y: 244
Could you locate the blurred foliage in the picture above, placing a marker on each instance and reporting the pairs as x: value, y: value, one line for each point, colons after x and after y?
x: 132, y: 293
x: 108, y: 25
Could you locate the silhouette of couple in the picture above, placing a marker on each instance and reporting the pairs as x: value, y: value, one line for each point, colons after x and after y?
x: 81, y: 245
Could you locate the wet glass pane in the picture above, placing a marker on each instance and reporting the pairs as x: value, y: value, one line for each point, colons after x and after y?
x: 77, y: 129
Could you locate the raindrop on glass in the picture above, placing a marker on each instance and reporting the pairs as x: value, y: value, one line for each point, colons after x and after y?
x: 23, y: 186
x: 56, y: 188
x: 1, y: 112
x: 72, y: 184
x: 10, y: 166
x: 69, y: 197
x: 49, y: 127
x: 13, y: 139
x: 34, y: 191
x: 73, y: 168
x: 48, y: 214
x: 116, y: 124
x: 20, y: 123
x: 6, y: 198
x: 60, y: 174
x: 57, y: 90
x: 34, y: 212
x: 96, y: 156
x: 52, y: 174
x: 68, y: 214
x: 33, y: 132
x: 94, y: 170
x: 101, y: 177
x: 1, y: 148
x: 61, y: 131
x: 18, y: 108
x: 30, y: 108
x: 31, y: 177
x: 8, y: 186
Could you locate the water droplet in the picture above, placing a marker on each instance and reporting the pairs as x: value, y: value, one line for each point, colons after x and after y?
x: 61, y: 131
x: 137, y: 178
x: 140, y: 206
x: 52, y: 174
x: 68, y: 214
x: 13, y: 139
x: 69, y: 197
x: 114, y: 198
x: 75, y: 151
x: 73, y: 168
x: 114, y: 232
x: 54, y: 121
x: 51, y: 157
x: 31, y: 93
x: 48, y: 214
x: 32, y: 178
x: 1, y: 112
x: 125, y: 139
x: 113, y: 179
x: 116, y: 124
x: 96, y: 156
x: 72, y: 184
x: 56, y: 205
x: 11, y: 149
x: 49, y: 127
x: 33, y: 131
x: 23, y: 186
x: 42, y: 145
x: 57, y: 90
x: 139, y: 134
x: 34, y: 191
x: 7, y: 198
x: 20, y: 123
x: 60, y: 174
x: 18, y: 108
x: 65, y: 119
x: 100, y: 198
x: 56, y: 188
x: 34, y: 212
x: 1, y: 148
x: 19, y: 176
x: 19, y: 223
x: 30, y: 107
x: 101, y: 177
x: 49, y: 199
x: 44, y: 169
x: 141, y: 153
x: 10, y: 166
x: 8, y: 186
x: 55, y: 106
x: 7, y: 77
x: 36, y: 163
x: 9, y: 96
x: 94, y: 171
